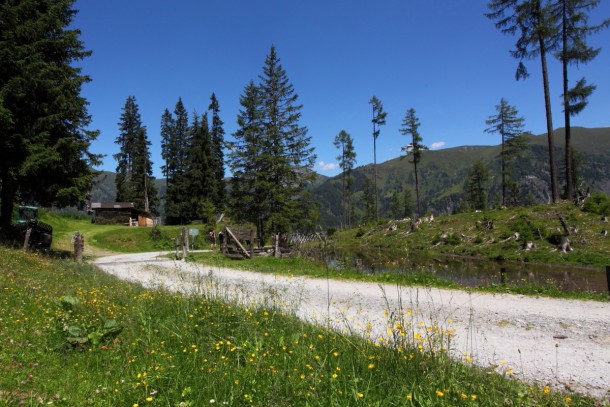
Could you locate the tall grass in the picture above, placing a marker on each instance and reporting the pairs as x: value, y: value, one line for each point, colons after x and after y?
x: 74, y: 336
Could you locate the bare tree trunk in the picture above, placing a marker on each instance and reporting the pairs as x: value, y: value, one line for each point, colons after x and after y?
x: 375, y: 170
x: 566, y: 109
x: 417, y: 189
x: 549, y: 121
x: 503, y: 168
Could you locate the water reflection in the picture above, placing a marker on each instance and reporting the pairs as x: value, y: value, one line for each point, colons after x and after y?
x: 472, y: 272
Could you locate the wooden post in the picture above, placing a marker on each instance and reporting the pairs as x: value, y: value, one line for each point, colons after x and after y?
x: 276, y: 245
x: 503, y: 276
x: 251, y: 243
x: 79, y: 246
x: 26, y: 240
x: 608, y: 277
x: 185, y: 243
x: 223, y: 241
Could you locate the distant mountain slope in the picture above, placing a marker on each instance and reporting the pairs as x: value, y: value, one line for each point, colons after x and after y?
x: 104, y: 187
x: 442, y: 174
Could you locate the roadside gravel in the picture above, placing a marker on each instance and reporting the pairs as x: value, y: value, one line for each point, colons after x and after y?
x: 561, y: 343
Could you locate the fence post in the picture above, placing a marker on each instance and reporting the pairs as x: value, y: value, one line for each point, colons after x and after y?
x: 185, y: 243
x: 608, y: 277
x: 26, y: 240
x: 79, y: 246
x: 503, y: 276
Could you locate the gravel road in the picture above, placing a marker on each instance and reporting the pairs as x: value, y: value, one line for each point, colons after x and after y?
x: 561, y: 343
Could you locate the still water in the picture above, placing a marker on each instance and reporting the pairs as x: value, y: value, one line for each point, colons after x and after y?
x: 472, y: 272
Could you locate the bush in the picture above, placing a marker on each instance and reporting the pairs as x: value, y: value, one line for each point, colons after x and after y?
x: 360, y: 232
x: 598, y: 203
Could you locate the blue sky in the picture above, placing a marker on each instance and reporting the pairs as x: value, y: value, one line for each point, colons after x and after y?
x: 441, y: 57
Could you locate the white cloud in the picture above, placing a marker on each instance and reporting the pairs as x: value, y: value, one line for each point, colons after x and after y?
x: 437, y: 145
x: 322, y: 166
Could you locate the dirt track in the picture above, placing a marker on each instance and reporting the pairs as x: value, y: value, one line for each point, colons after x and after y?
x: 561, y: 343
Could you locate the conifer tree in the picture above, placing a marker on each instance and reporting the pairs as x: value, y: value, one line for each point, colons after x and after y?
x: 200, y: 174
x: 134, y: 180
x: 510, y: 127
x: 379, y: 116
x: 477, y: 186
x: 245, y: 160
x: 284, y: 156
x: 347, y: 159
x: 45, y: 141
x: 573, y: 28
x: 368, y: 200
x: 536, y: 25
x: 395, y: 205
x: 407, y: 202
x: 217, y: 139
x: 411, y: 126
x: 174, y: 146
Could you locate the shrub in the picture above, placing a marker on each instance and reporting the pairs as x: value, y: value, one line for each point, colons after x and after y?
x: 360, y: 232
x: 598, y: 203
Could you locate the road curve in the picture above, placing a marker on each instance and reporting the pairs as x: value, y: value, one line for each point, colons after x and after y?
x: 561, y: 343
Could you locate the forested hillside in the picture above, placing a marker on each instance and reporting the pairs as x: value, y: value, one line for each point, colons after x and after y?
x: 442, y: 175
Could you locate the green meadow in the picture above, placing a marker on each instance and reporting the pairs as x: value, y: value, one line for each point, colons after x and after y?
x: 74, y: 336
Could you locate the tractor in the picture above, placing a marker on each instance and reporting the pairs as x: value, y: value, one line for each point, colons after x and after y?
x: 27, y: 227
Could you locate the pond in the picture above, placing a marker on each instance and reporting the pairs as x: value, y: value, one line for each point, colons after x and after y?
x: 472, y: 272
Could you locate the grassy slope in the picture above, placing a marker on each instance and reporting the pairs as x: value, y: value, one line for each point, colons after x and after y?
x: 466, y: 239
x: 469, y: 236
x: 109, y: 239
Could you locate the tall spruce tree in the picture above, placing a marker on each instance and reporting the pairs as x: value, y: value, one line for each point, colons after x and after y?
x: 175, y: 141
x: 201, y: 177
x: 134, y: 180
x: 573, y: 28
x: 245, y: 158
x: 143, y: 178
x: 536, y: 25
x: 379, y: 116
x: 217, y: 139
x: 287, y: 154
x: 411, y: 126
x: 509, y: 125
x: 44, y: 147
x: 347, y: 159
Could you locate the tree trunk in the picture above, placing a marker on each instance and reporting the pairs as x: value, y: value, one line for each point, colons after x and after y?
x: 549, y: 121
x: 566, y: 108
x: 6, y: 198
x: 184, y: 242
x: 375, y: 170
x: 503, y: 171
x: 417, y: 189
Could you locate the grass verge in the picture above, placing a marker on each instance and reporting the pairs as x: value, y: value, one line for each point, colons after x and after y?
x: 302, y: 267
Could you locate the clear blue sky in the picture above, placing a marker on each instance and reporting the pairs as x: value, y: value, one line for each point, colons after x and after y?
x: 441, y: 57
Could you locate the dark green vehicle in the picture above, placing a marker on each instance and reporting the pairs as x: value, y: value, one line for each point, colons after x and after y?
x: 40, y: 233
